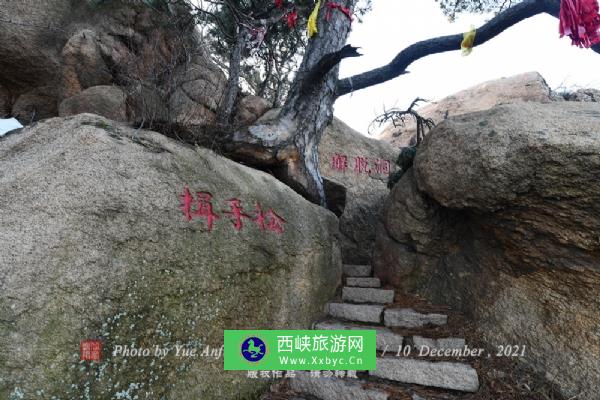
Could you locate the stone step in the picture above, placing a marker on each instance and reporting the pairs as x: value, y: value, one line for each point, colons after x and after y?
x: 367, y: 295
x: 356, y: 312
x: 438, y: 344
x: 386, y: 339
x: 360, y: 271
x: 363, y: 282
x: 409, y: 318
x: 445, y: 375
x: 334, y: 388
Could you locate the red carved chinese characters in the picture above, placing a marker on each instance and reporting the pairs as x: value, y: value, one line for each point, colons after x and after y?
x: 260, y: 217
x: 382, y: 166
x: 237, y: 213
x: 361, y: 165
x: 204, y: 209
x: 186, y: 203
x: 269, y: 220
x: 275, y: 222
x: 339, y: 162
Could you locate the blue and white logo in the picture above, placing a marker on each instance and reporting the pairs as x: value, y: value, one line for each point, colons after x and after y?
x: 254, y: 349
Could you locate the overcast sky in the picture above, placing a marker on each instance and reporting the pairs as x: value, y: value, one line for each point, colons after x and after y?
x: 532, y: 45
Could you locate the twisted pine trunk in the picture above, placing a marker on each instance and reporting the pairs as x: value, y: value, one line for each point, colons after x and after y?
x: 290, y: 142
x: 235, y: 59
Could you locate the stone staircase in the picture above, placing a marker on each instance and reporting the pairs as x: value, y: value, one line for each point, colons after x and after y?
x: 365, y: 305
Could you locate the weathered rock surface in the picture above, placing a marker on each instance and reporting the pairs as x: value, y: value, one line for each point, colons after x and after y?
x: 356, y: 312
x: 249, y: 109
x: 200, y: 89
x: 500, y: 218
x: 107, y: 101
x: 584, y: 95
x: 29, y: 55
x: 334, y: 388
x: 5, y: 101
x: 35, y: 104
x: 95, y: 244
x: 365, y: 192
x: 445, y: 375
x: 83, y: 59
x: 526, y: 87
x: 55, y: 50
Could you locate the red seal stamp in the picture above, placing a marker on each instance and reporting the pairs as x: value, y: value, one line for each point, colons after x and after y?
x: 90, y: 350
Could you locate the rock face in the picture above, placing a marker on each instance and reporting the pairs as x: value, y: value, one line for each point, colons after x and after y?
x: 56, y: 50
x: 526, y: 87
x: 346, y: 158
x: 96, y: 244
x: 200, y: 90
x: 584, y: 95
x: 107, y: 101
x: 499, y: 217
x: 249, y: 109
x: 5, y: 105
x: 35, y: 104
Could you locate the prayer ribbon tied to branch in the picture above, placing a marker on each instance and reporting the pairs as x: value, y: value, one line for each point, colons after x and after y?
x: 579, y: 19
x: 311, y: 28
x: 312, y: 19
x: 292, y: 18
x: 468, y: 41
x: 333, y: 6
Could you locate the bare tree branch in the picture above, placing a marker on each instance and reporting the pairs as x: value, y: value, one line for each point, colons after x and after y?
x: 416, y: 51
x: 398, y: 118
x: 325, y: 64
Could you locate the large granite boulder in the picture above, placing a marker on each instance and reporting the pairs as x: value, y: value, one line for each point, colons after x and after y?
x: 107, y: 101
x: 54, y: 50
x: 249, y: 109
x: 29, y: 53
x: 35, y: 104
x: 361, y: 167
x: 200, y: 87
x: 499, y: 217
x: 583, y: 95
x: 96, y: 243
x: 529, y: 86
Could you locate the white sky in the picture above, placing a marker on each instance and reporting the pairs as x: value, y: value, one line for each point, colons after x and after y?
x: 392, y: 25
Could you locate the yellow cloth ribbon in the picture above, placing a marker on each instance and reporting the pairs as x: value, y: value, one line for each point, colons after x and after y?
x: 311, y: 28
x: 468, y: 41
